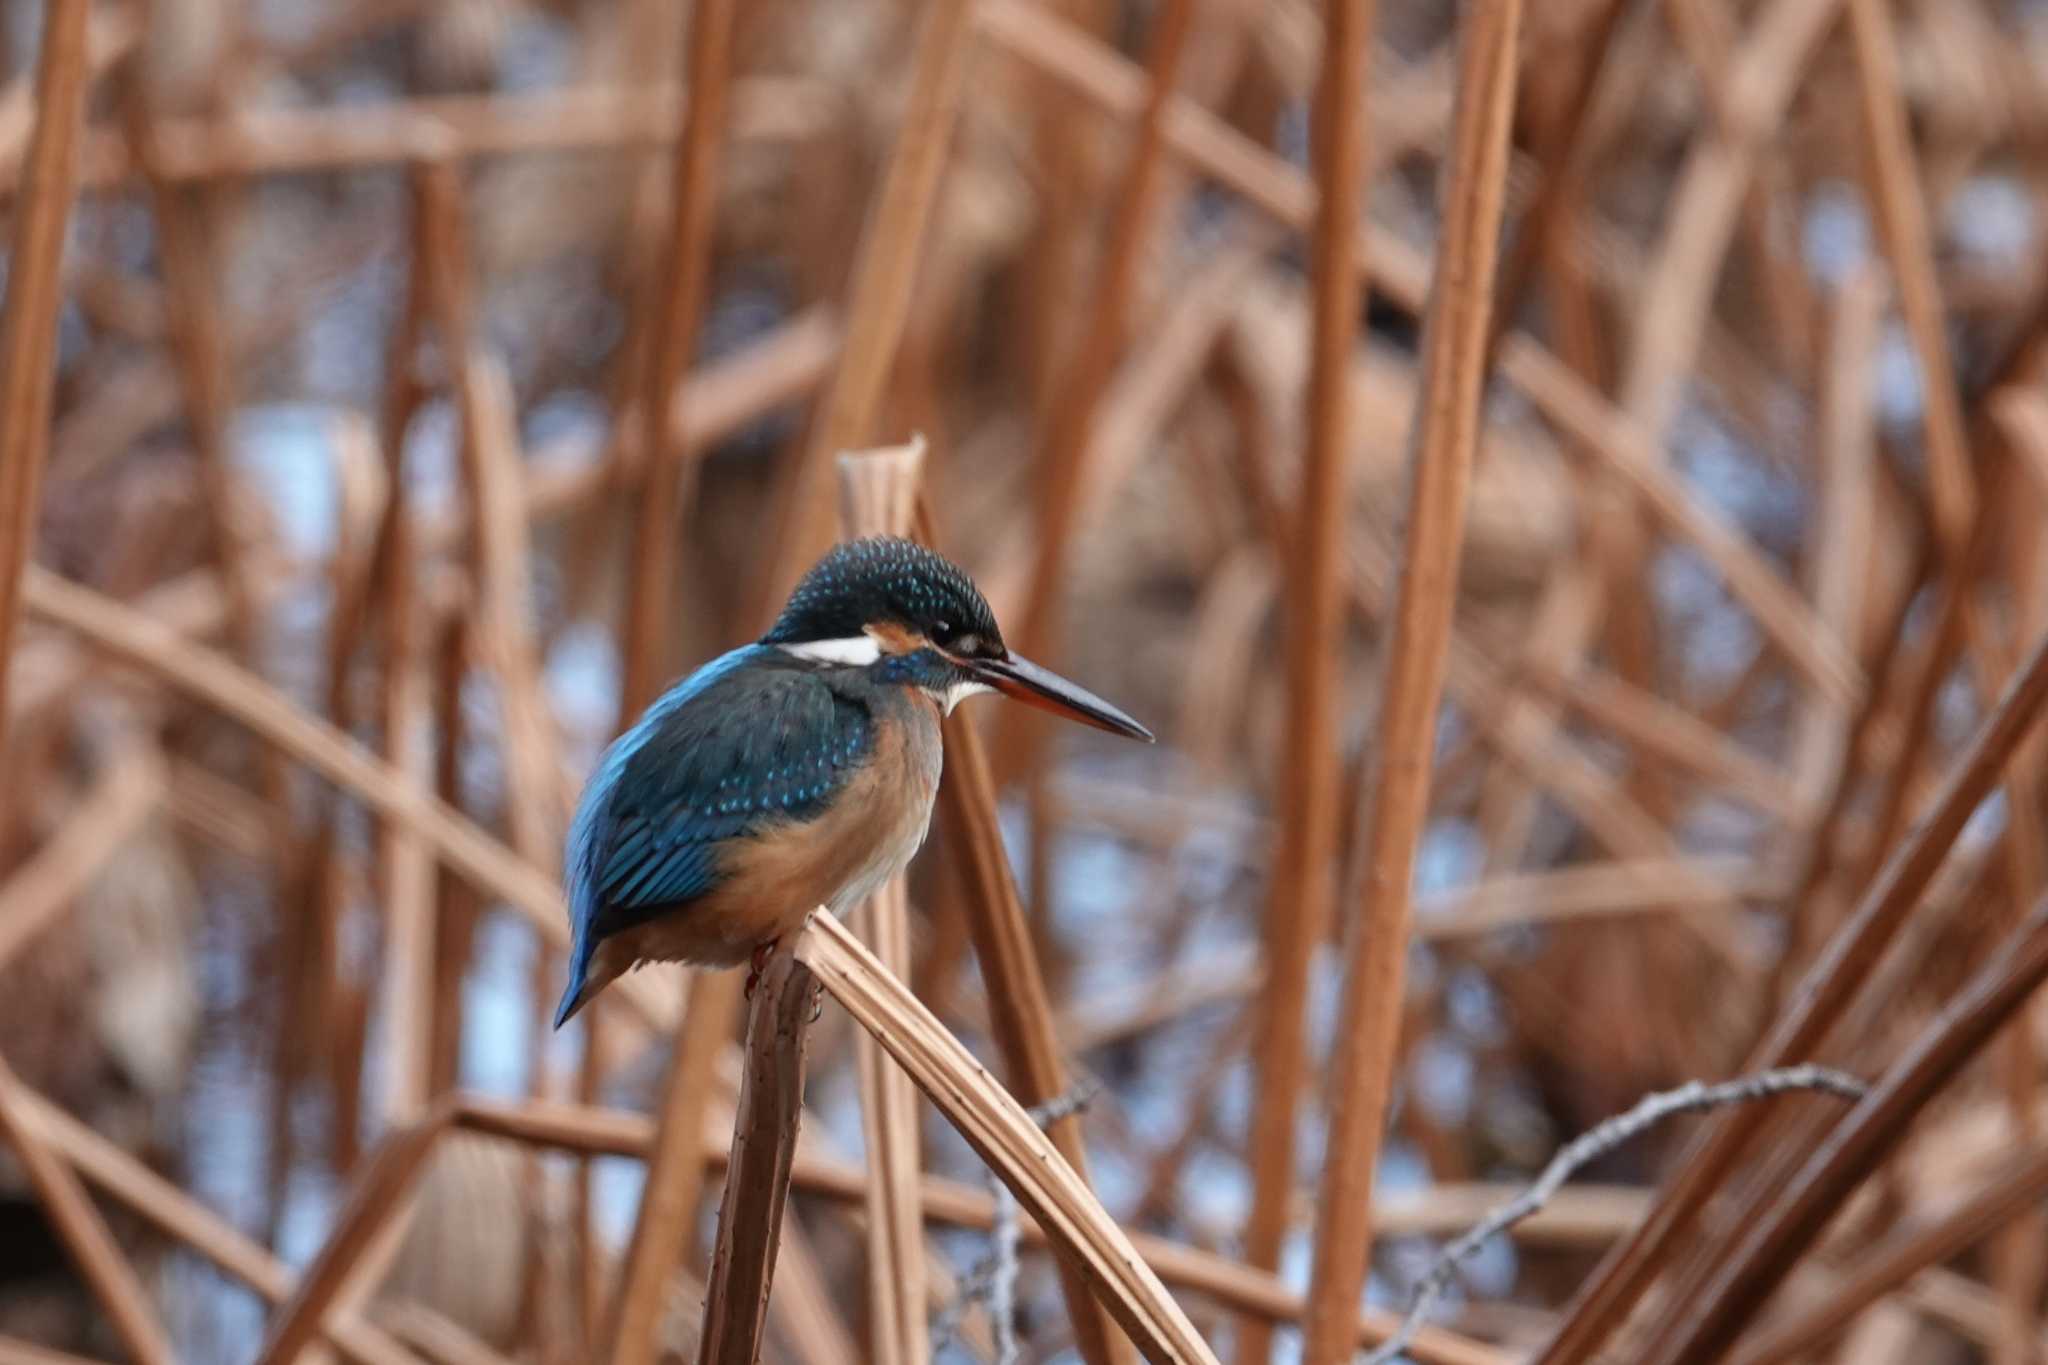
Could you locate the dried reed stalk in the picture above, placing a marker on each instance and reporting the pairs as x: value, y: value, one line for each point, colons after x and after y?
x: 1299, y: 900
x: 1624, y: 446
x: 28, y: 317
x: 679, y: 283
x: 137, y: 639
x: 181, y: 1217
x: 358, y: 1250
x: 675, y: 1169
x: 1020, y: 1008
x: 14, y: 1352
x: 1894, y: 181
x: 1078, y: 394
x: 878, y: 496
x: 1445, y: 435
x: 279, y: 141
x: 1914, y: 1246
x: 1229, y: 1283
x: 1812, y: 1010
x: 997, y: 1127
x: 764, y: 1138
x: 422, y: 984
x: 126, y: 795
x: 878, y: 305
x: 500, y: 548
x: 84, y: 1233
x: 1766, y: 1251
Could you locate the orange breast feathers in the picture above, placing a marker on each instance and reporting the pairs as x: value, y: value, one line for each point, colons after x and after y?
x: 774, y: 879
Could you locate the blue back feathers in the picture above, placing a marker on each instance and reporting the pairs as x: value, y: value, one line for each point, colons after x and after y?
x: 752, y: 738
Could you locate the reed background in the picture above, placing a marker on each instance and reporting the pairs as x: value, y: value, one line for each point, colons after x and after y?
x: 398, y: 389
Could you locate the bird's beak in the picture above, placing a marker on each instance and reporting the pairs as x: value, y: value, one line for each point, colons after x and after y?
x: 1048, y: 691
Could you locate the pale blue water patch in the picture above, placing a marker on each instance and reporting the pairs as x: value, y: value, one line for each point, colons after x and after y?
x: 1452, y: 854
x: 498, y: 1018
x: 538, y: 54
x: 1986, y: 823
x: 571, y: 426
x: 1835, y: 235
x: 332, y: 358
x: 1726, y: 473
x: 285, y: 451
x: 1898, y: 398
x: 1094, y: 878
x: 1443, y: 1078
x: 1992, y: 218
x: 581, y: 674
x: 1474, y: 1006
x: 1718, y: 636
x: 310, y: 1206
x: 433, y: 460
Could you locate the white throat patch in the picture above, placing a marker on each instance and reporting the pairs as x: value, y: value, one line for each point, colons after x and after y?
x: 959, y: 692
x: 856, y: 650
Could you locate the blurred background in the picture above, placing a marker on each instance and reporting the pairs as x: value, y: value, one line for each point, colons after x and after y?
x: 362, y: 302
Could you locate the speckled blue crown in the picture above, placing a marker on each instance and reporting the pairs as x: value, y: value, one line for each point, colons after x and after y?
x: 884, y: 579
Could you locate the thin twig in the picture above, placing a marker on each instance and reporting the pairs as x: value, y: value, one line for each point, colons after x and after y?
x: 1589, y: 1146
x: 993, y: 1280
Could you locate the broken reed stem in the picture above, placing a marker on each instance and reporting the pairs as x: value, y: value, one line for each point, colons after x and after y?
x: 1300, y: 897
x: 1821, y: 995
x: 1077, y: 1227
x: 1446, y: 434
x: 1591, y: 1146
x: 35, y: 289
x: 764, y: 1138
x: 878, y: 496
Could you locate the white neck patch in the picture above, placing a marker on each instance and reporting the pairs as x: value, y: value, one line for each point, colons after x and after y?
x: 856, y: 650
x: 959, y: 692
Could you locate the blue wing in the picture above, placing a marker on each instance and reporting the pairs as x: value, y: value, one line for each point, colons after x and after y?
x: 750, y: 739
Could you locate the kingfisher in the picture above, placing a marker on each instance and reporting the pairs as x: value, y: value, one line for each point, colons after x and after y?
x: 790, y: 773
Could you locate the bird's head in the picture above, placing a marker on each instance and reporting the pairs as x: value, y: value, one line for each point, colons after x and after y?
x: 894, y: 605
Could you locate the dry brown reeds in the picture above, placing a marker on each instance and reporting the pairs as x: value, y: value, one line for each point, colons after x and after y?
x: 1567, y: 482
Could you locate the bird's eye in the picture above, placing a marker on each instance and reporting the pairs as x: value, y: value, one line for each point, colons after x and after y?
x: 942, y: 632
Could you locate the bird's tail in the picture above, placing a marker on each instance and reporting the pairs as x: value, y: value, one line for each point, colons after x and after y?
x: 574, y: 997
x: 580, y: 988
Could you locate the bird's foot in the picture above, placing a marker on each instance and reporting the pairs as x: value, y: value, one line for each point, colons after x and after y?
x: 758, y: 964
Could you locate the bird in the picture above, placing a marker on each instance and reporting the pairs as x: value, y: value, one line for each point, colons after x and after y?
x: 790, y: 773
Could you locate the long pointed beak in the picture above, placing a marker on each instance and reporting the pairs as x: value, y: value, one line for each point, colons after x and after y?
x: 1048, y: 691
